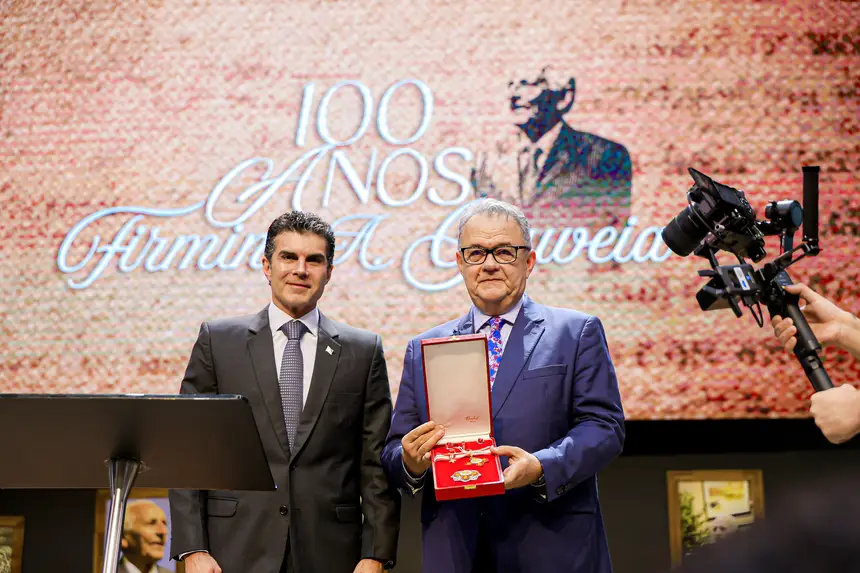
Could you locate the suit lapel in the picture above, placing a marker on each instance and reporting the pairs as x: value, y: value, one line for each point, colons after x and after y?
x: 524, y: 336
x: 262, y: 353
x: 325, y: 366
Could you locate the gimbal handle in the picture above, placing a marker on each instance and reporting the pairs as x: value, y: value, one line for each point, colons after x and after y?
x: 784, y: 304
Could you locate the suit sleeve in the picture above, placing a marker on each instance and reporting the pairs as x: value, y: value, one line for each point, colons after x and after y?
x: 597, y: 435
x: 188, y: 507
x: 380, y: 502
x: 405, y: 419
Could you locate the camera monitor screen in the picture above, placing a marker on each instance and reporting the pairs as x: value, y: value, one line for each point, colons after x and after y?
x: 146, y: 146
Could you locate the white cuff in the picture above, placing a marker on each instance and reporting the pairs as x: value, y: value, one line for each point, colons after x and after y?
x: 182, y: 556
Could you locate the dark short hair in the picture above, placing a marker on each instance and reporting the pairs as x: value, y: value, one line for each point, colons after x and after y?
x: 300, y: 222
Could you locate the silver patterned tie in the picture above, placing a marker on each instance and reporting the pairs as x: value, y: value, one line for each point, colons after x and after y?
x: 291, y: 377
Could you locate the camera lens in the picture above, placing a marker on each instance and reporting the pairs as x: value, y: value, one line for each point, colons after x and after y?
x: 684, y: 233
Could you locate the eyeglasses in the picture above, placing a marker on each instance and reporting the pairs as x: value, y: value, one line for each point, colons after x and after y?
x: 503, y: 254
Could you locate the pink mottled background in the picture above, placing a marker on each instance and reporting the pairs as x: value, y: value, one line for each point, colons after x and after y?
x: 106, y: 104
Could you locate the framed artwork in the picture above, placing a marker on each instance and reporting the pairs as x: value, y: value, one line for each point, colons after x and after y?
x: 146, y: 532
x: 11, y: 544
x: 709, y: 504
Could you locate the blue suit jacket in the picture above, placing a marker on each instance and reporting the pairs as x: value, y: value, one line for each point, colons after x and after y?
x: 556, y: 396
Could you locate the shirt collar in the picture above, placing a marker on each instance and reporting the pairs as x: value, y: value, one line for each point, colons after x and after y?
x: 130, y: 568
x: 277, y: 318
x: 479, y: 319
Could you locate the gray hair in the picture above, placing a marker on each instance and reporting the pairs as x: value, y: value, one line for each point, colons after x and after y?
x: 131, y: 514
x: 494, y: 207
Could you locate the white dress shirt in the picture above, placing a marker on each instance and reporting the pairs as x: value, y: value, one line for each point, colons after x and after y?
x: 308, y: 344
x: 126, y: 566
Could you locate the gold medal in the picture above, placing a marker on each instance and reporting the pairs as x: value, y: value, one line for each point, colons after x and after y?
x: 466, y: 475
x: 476, y: 461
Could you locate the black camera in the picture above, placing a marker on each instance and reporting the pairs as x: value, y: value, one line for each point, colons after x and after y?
x: 719, y: 218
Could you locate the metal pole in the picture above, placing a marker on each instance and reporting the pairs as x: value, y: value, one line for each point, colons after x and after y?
x: 122, y: 475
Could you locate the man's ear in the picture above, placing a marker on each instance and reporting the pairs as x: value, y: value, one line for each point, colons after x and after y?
x: 566, y: 96
x: 267, y: 269
x: 530, y: 263
x: 565, y: 102
x: 461, y: 264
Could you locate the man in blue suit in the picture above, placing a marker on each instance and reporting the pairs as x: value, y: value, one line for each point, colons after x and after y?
x: 556, y: 408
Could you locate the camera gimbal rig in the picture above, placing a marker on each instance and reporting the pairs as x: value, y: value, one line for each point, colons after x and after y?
x: 720, y: 218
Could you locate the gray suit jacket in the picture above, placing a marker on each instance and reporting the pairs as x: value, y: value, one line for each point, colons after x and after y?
x: 333, y: 501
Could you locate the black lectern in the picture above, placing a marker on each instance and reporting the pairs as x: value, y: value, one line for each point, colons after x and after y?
x: 95, y: 441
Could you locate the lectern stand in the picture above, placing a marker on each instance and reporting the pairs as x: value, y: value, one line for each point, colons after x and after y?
x: 121, y: 441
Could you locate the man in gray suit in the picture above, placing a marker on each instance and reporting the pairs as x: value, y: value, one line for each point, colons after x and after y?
x: 320, y: 396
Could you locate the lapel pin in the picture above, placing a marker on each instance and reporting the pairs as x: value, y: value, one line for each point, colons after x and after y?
x: 329, y: 350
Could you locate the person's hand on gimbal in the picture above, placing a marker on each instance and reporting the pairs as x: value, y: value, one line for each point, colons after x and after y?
x: 836, y: 411
x: 831, y: 325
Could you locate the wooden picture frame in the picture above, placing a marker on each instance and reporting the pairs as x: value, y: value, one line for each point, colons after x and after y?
x: 159, y: 498
x: 705, y: 505
x: 11, y: 544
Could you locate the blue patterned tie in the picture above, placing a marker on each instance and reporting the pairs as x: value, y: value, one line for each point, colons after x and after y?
x: 494, y: 346
x: 292, y: 377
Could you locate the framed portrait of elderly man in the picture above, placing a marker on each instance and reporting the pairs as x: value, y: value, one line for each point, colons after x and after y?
x: 145, y: 542
x: 706, y: 505
x: 11, y: 544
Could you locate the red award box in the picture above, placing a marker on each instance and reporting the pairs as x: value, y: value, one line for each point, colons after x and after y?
x: 457, y: 385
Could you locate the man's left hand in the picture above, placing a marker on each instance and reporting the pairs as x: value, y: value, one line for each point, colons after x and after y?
x: 523, y: 468
x: 837, y: 412
x: 368, y: 566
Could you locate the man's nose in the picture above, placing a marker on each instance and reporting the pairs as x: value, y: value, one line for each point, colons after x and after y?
x: 301, y: 268
x: 490, y: 263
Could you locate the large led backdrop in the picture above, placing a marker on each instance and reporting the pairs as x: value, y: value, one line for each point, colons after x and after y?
x: 147, y: 145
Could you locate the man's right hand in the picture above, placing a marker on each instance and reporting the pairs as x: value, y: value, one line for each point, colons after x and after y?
x: 201, y: 563
x: 825, y: 319
x: 417, y: 445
